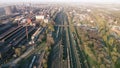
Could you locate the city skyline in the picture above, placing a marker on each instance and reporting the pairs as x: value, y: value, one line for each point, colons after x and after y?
x: 95, y: 1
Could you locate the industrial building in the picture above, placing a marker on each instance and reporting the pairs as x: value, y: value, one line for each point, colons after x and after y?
x: 8, y: 10
x: 2, y: 11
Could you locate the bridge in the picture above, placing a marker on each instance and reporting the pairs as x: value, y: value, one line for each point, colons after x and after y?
x: 62, y: 25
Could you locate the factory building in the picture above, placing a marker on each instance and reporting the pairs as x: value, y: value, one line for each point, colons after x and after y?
x: 39, y: 17
x: 2, y: 11
x: 14, y: 9
x: 8, y: 10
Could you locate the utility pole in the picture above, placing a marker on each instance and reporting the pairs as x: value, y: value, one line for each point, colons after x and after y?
x: 26, y: 32
x: 18, y: 22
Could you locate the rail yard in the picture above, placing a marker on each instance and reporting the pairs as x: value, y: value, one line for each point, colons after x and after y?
x: 57, y: 35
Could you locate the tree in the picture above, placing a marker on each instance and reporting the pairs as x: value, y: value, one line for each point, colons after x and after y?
x: 18, y: 51
x: 50, y: 40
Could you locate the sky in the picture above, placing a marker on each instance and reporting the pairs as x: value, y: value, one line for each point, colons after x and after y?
x: 99, y: 1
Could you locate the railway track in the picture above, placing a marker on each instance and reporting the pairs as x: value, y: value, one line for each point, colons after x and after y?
x: 13, y: 37
x: 13, y: 40
x: 7, y: 35
x: 17, y: 42
x: 4, y: 28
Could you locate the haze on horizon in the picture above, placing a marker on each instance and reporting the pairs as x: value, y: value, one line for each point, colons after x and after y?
x: 91, y: 1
